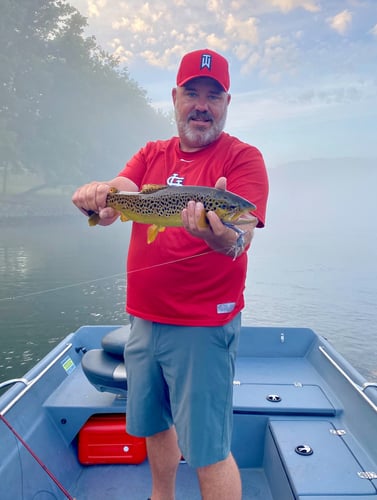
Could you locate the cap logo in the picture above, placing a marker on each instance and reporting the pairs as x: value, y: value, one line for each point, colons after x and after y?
x: 206, y: 61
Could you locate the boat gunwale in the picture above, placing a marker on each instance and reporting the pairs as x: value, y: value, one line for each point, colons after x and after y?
x: 30, y: 383
x: 360, y: 389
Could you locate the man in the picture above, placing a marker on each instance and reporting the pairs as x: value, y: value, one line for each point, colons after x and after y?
x: 185, y: 290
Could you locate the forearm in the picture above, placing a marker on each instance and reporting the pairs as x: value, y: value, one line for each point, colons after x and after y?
x: 232, y: 241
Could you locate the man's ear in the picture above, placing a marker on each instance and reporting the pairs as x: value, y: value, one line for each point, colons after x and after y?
x: 174, y: 94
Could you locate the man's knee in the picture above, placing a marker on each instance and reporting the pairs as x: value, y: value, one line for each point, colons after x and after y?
x: 217, y: 467
x: 220, y: 480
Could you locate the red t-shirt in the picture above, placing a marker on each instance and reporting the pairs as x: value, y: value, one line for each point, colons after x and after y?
x: 178, y: 279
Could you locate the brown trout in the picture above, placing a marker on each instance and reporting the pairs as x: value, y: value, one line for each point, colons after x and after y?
x: 161, y: 206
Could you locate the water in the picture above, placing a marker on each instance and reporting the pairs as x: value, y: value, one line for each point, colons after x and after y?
x: 322, y: 282
x: 54, y: 277
x: 58, y: 275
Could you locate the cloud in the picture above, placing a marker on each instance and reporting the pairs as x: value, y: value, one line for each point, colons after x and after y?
x: 287, y: 5
x: 273, y: 58
x: 222, y: 24
x: 297, y: 67
x: 119, y: 51
x: 95, y: 7
x: 257, y: 116
x: 258, y: 7
x: 341, y: 22
x: 217, y: 43
x: 242, y: 30
x: 273, y: 41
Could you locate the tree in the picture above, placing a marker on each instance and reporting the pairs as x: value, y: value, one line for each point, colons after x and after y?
x: 65, y: 103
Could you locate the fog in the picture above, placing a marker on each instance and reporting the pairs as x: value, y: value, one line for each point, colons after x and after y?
x: 326, y: 197
x: 71, y: 114
x: 313, y: 265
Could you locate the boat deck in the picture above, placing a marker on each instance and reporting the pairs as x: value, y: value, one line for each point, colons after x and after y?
x: 113, y: 483
x: 287, y: 395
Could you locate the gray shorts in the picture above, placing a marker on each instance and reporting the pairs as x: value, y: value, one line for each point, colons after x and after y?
x: 183, y: 376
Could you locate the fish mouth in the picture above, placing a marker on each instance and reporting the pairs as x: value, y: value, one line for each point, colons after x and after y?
x: 241, y: 220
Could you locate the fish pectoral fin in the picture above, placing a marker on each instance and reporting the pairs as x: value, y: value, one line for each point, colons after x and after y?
x: 153, y: 231
x: 152, y: 188
x: 123, y: 217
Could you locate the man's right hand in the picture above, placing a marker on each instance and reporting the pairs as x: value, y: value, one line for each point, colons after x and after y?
x: 91, y: 198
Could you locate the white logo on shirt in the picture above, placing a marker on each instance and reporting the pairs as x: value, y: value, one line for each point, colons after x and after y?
x: 175, y: 180
x: 227, y: 307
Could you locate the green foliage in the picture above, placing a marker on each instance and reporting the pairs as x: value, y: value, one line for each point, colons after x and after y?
x: 68, y: 112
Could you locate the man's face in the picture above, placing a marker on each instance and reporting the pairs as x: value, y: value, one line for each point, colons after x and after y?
x: 200, y: 111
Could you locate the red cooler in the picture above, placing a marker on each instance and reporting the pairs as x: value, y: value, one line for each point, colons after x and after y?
x: 104, y: 440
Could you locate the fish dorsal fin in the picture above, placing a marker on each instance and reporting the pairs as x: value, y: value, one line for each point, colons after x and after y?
x: 152, y: 188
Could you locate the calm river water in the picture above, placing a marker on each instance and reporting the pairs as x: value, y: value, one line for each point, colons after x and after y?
x: 56, y: 275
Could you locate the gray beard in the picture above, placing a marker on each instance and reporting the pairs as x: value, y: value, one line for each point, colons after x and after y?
x: 199, y: 138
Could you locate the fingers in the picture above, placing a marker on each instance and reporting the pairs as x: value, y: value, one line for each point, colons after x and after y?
x: 189, y: 215
x: 217, y: 226
x: 194, y: 218
x: 199, y: 223
x: 108, y: 213
x: 221, y: 183
x: 91, y: 197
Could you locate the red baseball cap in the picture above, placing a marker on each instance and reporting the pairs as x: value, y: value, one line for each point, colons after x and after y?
x: 204, y: 62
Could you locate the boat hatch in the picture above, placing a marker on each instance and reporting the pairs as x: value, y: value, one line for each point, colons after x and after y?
x: 325, y: 466
x: 287, y: 399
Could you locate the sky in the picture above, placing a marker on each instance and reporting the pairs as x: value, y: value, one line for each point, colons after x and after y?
x: 303, y: 72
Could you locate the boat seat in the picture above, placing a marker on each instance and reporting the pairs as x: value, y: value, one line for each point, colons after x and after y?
x: 115, y: 341
x: 104, y: 368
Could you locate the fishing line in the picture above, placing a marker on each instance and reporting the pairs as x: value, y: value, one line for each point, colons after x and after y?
x: 36, y: 458
x: 88, y: 282
x: 64, y: 287
x: 169, y: 262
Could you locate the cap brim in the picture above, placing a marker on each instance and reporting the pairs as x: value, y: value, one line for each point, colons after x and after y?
x: 194, y: 77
